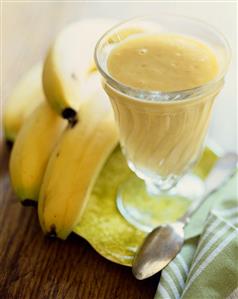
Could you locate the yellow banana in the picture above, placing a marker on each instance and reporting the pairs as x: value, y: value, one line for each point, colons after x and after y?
x: 32, y: 149
x: 68, y: 62
x: 24, y: 99
x: 74, y: 165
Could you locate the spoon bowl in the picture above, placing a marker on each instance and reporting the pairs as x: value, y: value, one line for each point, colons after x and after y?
x: 159, y: 247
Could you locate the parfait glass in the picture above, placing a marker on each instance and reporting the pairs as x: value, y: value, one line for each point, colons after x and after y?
x: 162, y: 134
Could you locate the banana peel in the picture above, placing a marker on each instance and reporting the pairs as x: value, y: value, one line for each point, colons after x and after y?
x: 31, y: 151
x: 69, y: 61
x: 26, y: 96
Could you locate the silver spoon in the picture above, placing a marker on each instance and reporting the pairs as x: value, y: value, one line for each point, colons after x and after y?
x: 165, y: 242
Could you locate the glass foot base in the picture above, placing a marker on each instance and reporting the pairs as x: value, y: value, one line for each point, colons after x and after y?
x: 146, y: 211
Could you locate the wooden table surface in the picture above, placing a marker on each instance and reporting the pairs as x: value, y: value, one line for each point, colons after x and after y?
x: 31, y: 265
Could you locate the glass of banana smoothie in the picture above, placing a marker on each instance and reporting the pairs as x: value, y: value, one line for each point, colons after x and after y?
x: 162, y: 75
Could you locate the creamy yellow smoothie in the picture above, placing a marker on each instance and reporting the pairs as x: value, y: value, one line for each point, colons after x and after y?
x: 162, y: 138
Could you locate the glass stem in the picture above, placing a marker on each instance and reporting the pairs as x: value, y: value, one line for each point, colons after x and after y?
x: 160, y: 186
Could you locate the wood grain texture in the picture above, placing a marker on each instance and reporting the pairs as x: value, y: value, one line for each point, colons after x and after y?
x: 31, y: 265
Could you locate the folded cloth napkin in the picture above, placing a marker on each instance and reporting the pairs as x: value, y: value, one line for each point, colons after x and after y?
x: 207, y: 266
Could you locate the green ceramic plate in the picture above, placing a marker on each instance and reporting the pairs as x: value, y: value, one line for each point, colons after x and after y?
x: 102, y: 225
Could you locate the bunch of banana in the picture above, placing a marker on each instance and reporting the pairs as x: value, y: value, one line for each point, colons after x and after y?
x: 27, y: 95
x: 50, y: 161
x: 74, y: 166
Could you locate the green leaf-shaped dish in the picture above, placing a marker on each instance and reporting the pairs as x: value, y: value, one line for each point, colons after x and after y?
x: 102, y: 225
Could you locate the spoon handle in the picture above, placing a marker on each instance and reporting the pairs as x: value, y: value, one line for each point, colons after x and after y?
x: 220, y: 173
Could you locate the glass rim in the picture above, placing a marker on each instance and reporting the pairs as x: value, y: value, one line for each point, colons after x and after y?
x: 177, y: 94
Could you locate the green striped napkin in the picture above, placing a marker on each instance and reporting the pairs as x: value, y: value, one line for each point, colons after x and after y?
x: 207, y: 266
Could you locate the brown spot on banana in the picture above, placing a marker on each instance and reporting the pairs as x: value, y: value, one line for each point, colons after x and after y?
x: 74, y: 77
